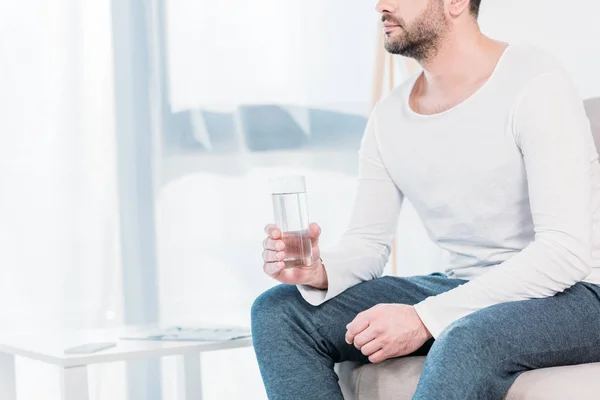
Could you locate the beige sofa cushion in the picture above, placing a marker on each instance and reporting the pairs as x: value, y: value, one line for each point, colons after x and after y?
x: 592, y: 108
x: 397, y: 380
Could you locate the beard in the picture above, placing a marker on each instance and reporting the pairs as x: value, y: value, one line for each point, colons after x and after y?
x: 421, y: 39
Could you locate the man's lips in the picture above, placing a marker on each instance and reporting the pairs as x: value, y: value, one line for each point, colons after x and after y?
x: 388, y: 27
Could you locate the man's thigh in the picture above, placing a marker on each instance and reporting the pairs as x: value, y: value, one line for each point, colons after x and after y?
x: 538, y: 333
x: 386, y: 290
x: 330, y: 319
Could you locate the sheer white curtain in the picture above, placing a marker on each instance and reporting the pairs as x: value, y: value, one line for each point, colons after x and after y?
x: 293, y: 52
x: 59, y: 244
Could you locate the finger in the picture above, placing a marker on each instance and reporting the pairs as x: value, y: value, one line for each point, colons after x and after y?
x: 314, y: 231
x: 364, y: 337
x: 273, y: 256
x: 272, y: 244
x: 372, y: 347
x: 273, y: 231
x: 360, y: 323
x: 378, y: 357
x: 273, y: 269
x: 269, y: 228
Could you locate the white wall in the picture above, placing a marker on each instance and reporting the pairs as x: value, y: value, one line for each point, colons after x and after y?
x: 569, y: 29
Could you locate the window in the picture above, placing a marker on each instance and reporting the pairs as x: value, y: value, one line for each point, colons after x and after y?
x: 253, y: 89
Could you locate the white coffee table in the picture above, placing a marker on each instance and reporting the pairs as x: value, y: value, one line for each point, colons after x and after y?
x: 49, y: 348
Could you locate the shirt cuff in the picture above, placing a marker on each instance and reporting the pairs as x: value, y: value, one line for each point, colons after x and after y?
x: 336, y: 284
x: 427, y: 313
x: 313, y: 296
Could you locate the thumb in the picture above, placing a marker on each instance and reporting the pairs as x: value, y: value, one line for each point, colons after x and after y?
x: 314, y: 231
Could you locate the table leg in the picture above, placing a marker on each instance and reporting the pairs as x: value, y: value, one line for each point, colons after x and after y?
x: 74, y: 383
x: 144, y: 380
x: 189, y: 377
x: 8, y: 381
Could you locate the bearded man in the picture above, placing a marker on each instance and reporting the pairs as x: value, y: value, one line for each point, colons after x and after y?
x: 491, y: 144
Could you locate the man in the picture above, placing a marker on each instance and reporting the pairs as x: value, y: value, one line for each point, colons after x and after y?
x: 492, y: 146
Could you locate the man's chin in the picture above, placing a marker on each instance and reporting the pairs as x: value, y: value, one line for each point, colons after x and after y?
x: 395, y: 46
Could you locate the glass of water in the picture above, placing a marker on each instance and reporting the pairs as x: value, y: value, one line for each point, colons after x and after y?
x: 291, y: 217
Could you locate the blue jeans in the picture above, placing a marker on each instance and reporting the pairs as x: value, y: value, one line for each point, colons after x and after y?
x: 477, y: 357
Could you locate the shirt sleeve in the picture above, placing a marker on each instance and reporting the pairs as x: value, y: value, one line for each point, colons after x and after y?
x: 364, y: 249
x: 553, y: 133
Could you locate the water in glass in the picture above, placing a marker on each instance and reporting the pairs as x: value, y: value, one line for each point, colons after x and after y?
x: 291, y: 217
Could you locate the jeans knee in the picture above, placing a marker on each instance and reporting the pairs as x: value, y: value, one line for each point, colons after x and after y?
x: 468, y: 342
x: 469, y: 360
x: 273, y: 305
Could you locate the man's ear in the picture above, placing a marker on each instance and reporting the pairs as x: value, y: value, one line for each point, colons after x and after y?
x: 458, y: 7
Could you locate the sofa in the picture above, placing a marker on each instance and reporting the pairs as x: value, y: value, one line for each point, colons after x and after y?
x: 397, y: 379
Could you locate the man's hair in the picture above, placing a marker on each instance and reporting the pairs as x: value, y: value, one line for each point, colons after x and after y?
x: 475, y: 7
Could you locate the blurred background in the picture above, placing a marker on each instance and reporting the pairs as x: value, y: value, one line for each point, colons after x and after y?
x: 137, y: 137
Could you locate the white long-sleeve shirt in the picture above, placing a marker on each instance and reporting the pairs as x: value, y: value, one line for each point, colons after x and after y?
x: 507, y: 183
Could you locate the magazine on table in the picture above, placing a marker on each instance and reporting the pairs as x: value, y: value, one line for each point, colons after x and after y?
x: 192, y: 333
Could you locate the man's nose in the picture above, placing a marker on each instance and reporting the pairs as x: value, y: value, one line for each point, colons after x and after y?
x: 385, y: 6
